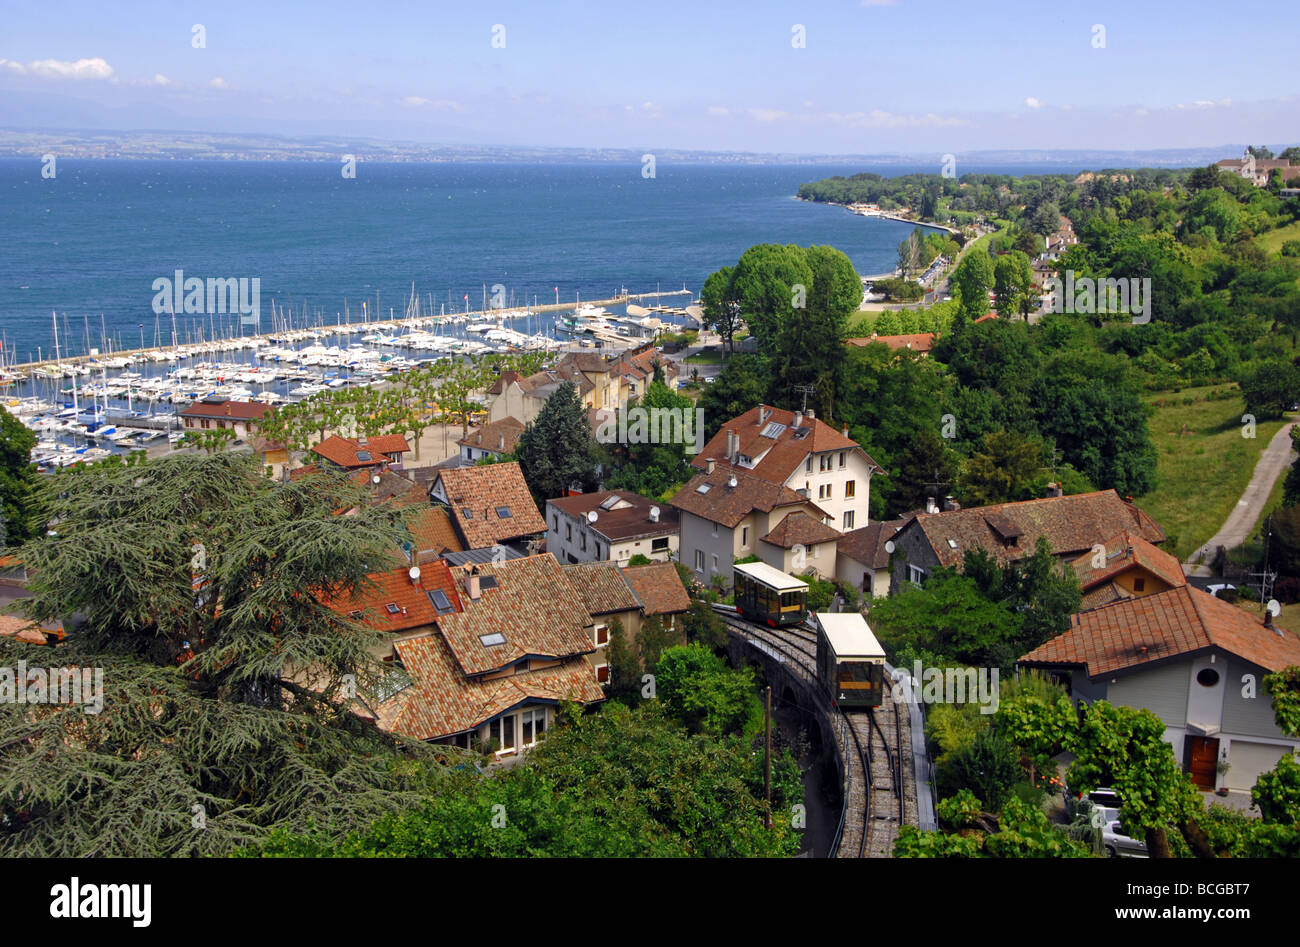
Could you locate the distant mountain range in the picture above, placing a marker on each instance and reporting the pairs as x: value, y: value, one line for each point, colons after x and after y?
x: 23, y: 139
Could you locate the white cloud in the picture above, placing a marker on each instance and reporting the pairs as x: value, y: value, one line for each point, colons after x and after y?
x: 718, y: 111
x: 96, y: 68
x: 767, y: 115
x: 158, y: 79
x: 1033, y: 103
x: 218, y: 83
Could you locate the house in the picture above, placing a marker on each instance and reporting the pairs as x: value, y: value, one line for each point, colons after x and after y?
x: 402, y: 602
x: 490, y: 505
x: 361, y: 453
x: 1194, y: 661
x: 630, y: 595
x: 798, y: 540
x: 1257, y: 170
x: 862, y: 558
x: 727, y: 513
x: 610, y: 525
x: 919, y: 342
x: 1010, y: 531
x: 242, y: 417
x: 498, y: 667
x: 795, y: 450
x: 522, y: 397
x: 495, y: 439
x: 1125, y: 566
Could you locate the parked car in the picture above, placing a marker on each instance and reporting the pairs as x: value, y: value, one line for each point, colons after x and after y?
x: 1220, y: 587
x: 1114, y: 838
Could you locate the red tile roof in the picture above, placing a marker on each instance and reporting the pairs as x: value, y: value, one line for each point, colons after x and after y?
x: 726, y: 505
x: 798, y: 528
x: 659, y: 587
x: 1128, y: 634
x: 1070, y: 524
x: 343, y: 451
x: 1126, y: 551
x: 441, y: 702
x: 629, y: 518
x: 916, y: 342
x: 432, y: 528
x: 533, y: 606
x: 867, y: 545
x: 393, y: 602
x: 474, y: 495
x: 601, y: 587
x: 776, y: 458
x: 238, y: 410
x: 500, y: 436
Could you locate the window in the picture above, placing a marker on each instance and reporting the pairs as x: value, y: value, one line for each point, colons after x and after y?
x: 808, y: 468
x: 699, y: 560
x: 850, y: 489
x: 609, y: 502
x: 503, y: 731
x: 495, y: 638
x: 744, y: 537
x: 582, y: 540
x: 1207, y: 677
x: 659, y: 545
x: 393, y: 608
x: 602, y: 673
x: 467, y: 512
x: 715, y: 530
x: 503, y: 512
x: 1139, y: 585
x: 602, y: 635
x: 440, y: 601
x: 363, y: 456
x: 568, y: 532
x: 915, y: 575
x: 487, y: 582
x: 715, y: 562
x: 848, y: 520
x: 532, y: 724
x: 841, y: 460
x: 704, y: 488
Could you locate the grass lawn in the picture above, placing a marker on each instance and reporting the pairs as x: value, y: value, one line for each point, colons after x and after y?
x: 1272, y: 241
x: 1200, y: 476
x: 710, y: 356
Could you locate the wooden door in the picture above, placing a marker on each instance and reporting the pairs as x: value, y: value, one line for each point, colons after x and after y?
x: 1201, y: 760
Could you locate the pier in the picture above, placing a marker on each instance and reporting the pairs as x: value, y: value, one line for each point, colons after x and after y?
x: 244, y: 341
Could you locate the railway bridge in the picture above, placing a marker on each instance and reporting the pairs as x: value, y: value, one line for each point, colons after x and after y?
x: 876, y: 758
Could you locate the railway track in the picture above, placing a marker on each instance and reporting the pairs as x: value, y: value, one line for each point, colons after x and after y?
x: 873, y: 787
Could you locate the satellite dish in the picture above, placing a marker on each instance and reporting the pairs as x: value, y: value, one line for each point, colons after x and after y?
x: 1273, y: 607
x: 375, y: 479
x: 414, y: 573
x: 592, y: 516
x: 890, y: 547
x: 654, y: 512
x: 732, y: 482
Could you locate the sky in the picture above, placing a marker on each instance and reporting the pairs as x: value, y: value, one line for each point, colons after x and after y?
x: 815, y: 77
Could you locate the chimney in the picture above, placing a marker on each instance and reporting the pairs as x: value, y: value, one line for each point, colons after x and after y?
x: 709, y: 464
x: 763, y: 414
x: 950, y: 504
x: 472, y: 587
x: 363, y: 442
x: 1268, y: 618
x: 798, y: 419
x: 931, y: 506
x: 1054, y: 490
x: 810, y: 414
x: 845, y: 432
x: 733, y: 444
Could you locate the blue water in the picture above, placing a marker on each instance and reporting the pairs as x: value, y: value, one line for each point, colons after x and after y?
x: 90, y: 242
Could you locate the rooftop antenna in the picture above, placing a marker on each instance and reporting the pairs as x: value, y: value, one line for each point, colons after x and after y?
x: 806, y: 390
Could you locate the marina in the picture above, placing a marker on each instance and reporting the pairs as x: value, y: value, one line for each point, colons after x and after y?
x: 87, y: 405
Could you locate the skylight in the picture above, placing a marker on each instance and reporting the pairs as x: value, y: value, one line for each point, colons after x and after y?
x: 773, y: 430
x: 610, y: 502
x: 467, y: 513
x: 800, y: 433
x: 440, y: 600
x: 393, y: 608
x: 487, y: 582
x: 503, y: 512
x: 704, y: 488
x: 363, y: 456
x: 495, y: 638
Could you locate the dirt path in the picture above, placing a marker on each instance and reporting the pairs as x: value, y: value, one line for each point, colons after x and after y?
x: 1236, y: 528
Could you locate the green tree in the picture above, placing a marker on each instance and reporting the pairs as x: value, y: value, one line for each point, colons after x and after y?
x: 624, y: 666
x: 1003, y: 470
x: 973, y: 279
x: 927, y: 468
x: 948, y: 617
x: 988, y: 766
x: 556, y: 450
x: 1269, y: 387
x: 18, y: 480
x: 706, y: 695
x: 741, y: 386
x: 721, y: 309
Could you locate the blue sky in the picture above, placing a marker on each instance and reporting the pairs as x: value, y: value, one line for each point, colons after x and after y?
x: 873, y: 76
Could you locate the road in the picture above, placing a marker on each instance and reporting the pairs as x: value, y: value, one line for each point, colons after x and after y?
x: 1236, y: 529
